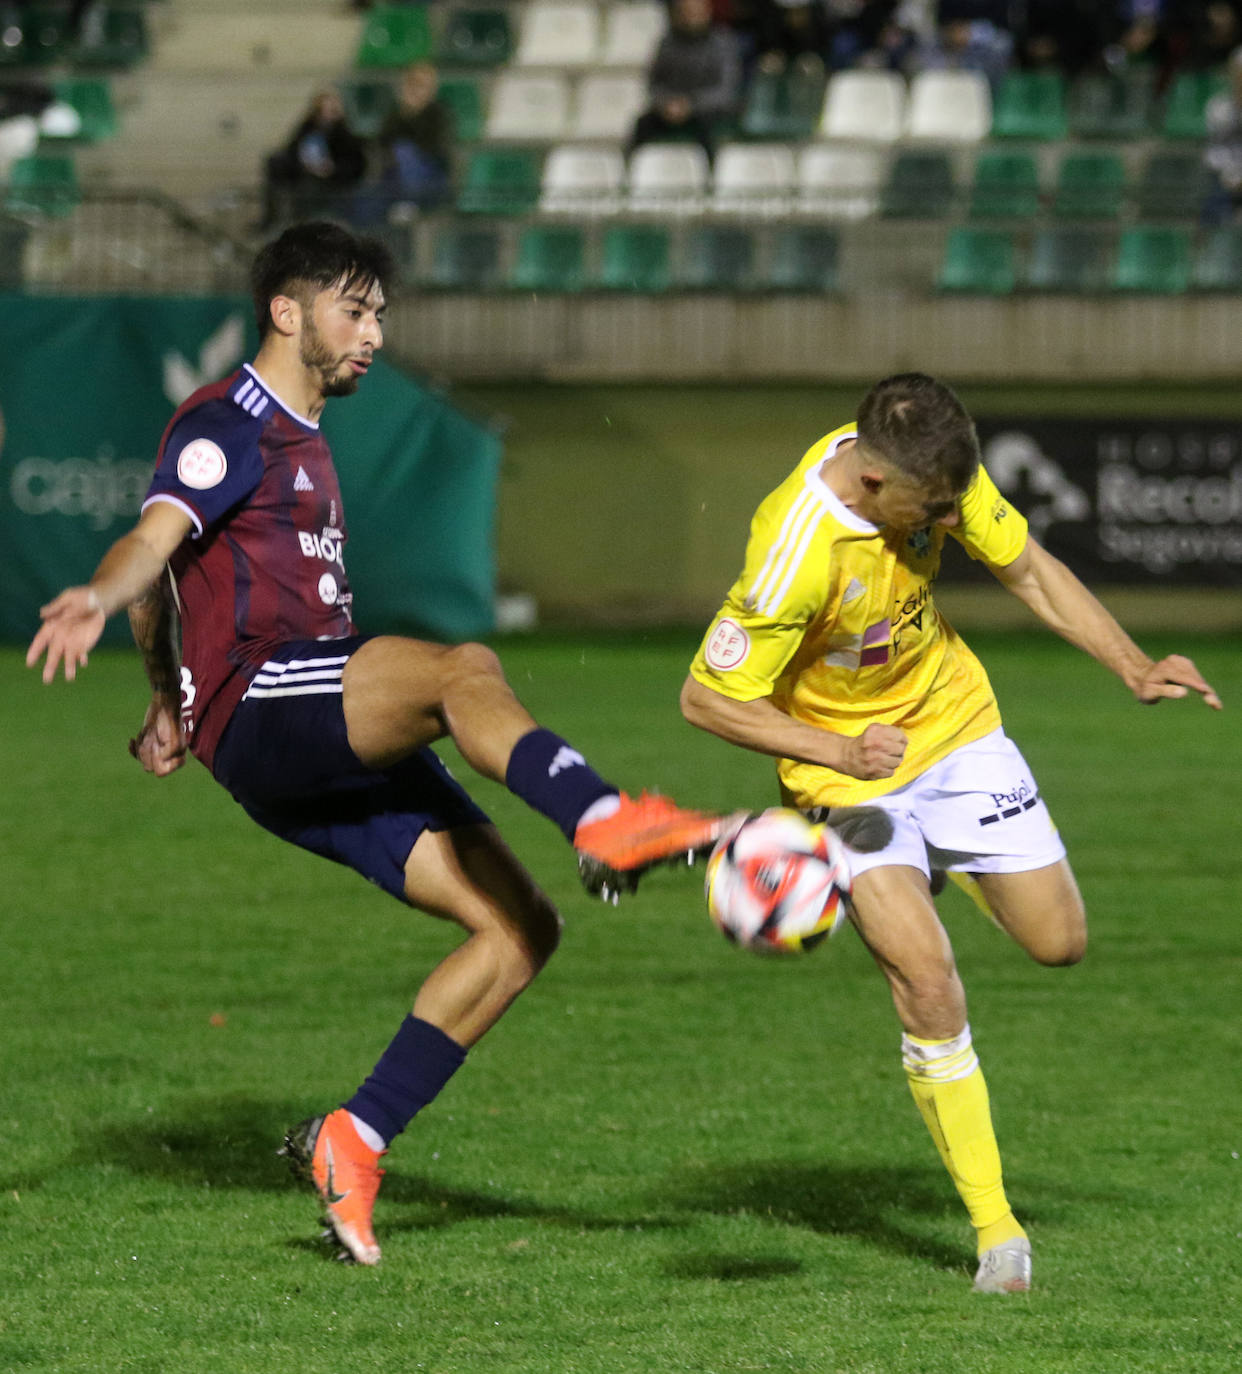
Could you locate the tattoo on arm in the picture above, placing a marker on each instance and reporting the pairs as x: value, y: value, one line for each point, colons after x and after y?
x: 154, y: 622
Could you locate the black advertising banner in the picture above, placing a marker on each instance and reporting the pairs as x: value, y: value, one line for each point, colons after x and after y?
x: 1138, y: 502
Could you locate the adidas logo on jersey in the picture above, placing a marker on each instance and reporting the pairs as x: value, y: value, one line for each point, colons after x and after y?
x: 301, y: 482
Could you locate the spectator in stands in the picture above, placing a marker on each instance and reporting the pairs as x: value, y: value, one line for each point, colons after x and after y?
x: 416, y: 142
x: 1223, y: 154
x: 878, y: 33
x: 1064, y: 35
x: 695, y: 79
x: 792, y: 31
x: 971, y: 35
x: 312, y: 174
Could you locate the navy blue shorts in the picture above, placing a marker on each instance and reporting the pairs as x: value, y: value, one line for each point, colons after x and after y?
x: 285, y: 757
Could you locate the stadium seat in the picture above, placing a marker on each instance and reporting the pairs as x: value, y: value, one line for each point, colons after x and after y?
x: 112, y: 36
x: 367, y: 101
x: 1186, y: 103
x: 949, y: 107
x: 394, y: 36
x: 606, y: 104
x: 549, y: 258
x: 783, y: 105
x: 1153, y: 258
x: 632, y: 32
x: 501, y: 181
x: 1069, y: 260
x: 919, y: 186
x: 1172, y: 185
x: 558, y: 33
x: 465, y: 100
x: 668, y: 179
x: 528, y: 105
x: 1031, y: 105
x: 1112, y: 105
x: 91, y: 98
x: 1218, y: 260
x: 839, y: 181
x: 865, y: 105
x: 635, y: 258
x: 44, y: 186
x: 582, y: 180
x: 464, y: 259
x: 803, y: 257
x: 1006, y: 186
x: 43, y: 34
x: 475, y: 38
x: 1089, y: 186
x: 978, y: 262
x: 717, y: 257
x: 753, y: 179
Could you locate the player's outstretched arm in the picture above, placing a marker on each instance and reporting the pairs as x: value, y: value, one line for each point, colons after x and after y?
x: 73, y: 621
x: 160, y: 744
x: 1066, y: 606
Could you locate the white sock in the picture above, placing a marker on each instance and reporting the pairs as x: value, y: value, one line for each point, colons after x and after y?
x: 602, y: 809
x: 369, y: 1136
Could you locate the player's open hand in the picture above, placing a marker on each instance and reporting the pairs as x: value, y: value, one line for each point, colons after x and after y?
x: 160, y: 744
x: 1174, y: 677
x: 876, y: 753
x: 72, y: 624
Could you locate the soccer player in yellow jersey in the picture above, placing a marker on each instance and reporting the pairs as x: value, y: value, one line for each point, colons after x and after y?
x: 829, y: 653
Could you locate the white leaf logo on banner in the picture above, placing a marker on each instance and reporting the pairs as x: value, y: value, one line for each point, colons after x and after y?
x: 215, y: 358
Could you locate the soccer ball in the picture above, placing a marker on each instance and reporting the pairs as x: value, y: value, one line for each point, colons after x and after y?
x: 778, y: 883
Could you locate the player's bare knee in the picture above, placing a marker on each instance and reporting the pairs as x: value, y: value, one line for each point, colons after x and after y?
x: 467, y: 663
x: 540, y: 931
x: 1060, y: 948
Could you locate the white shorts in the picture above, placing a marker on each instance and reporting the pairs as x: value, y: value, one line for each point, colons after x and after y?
x: 977, y: 810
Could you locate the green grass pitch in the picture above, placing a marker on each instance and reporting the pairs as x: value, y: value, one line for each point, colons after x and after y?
x: 670, y: 1155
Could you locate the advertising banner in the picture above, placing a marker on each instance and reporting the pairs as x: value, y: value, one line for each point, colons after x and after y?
x: 86, y: 389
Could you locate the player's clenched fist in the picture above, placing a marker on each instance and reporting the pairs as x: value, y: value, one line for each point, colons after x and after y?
x: 875, y: 753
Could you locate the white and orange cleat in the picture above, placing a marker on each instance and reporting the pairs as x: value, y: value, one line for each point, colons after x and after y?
x: 327, y: 1153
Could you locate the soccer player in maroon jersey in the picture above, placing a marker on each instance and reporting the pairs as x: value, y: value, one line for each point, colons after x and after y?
x: 322, y: 733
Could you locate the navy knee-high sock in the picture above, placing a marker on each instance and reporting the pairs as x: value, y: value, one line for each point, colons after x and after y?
x: 416, y: 1065
x: 553, y: 778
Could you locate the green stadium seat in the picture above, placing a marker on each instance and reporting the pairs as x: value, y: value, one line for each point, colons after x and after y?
x: 635, y: 257
x: 1113, y: 105
x: 501, y: 181
x: 1089, y: 186
x: 1172, y: 185
x: 1186, y: 103
x: 367, y: 100
x: 1218, y: 260
x: 979, y: 262
x: 476, y: 38
x: 1006, y: 186
x: 550, y: 258
x: 43, y: 185
x: 1153, y: 258
x: 112, y: 36
x: 783, y: 105
x: 717, y: 257
x: 465, y: 259
x: 1030, y: 105
x: 45, y: 37
x: 395, y: 36
x: 919, y: 186
x: 465, y: 100
x: 91, y: 97
x: 1070, y: 260
x: 803, y: 257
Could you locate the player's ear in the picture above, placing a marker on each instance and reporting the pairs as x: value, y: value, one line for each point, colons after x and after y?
x: 286, y: 314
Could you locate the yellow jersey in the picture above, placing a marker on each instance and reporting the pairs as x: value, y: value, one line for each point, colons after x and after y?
x: 833, y: 619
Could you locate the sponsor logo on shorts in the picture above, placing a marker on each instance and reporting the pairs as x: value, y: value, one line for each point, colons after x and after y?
x: 1010, y: 804
x: 201, y: 464
x: 728, y: 646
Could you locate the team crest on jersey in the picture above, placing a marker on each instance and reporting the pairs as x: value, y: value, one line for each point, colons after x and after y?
x: 201, y: 465
x: 728, y: 646
x: 328, y: 590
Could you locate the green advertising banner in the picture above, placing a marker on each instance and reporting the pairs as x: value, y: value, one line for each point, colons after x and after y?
x: 86, y: 389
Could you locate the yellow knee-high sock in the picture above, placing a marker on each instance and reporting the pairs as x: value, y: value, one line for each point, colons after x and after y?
x: 950, y: 1092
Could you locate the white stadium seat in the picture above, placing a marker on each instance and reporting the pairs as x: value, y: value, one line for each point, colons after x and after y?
x: 668, y: 179
x: 558, y: 33
x: 528, y: 105
x: 839, y: 181
x: 864, y: 105
x: 753, y: 179
x: 582, y: 181
x: 950, y: 107
x: 632, y: 32
x: 606, y: 104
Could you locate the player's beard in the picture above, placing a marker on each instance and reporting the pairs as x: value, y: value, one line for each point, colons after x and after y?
x: 317, y: 357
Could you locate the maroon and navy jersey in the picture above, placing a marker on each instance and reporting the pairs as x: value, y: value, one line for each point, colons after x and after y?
x: 264, y: 563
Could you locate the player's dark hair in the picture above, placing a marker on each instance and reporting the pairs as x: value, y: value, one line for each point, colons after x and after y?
x: 919, y: 426
x: 311, y: 257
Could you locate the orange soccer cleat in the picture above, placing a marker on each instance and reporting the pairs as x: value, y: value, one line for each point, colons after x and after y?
x: 327, y: 1153
x: 642, y: 832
